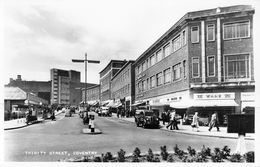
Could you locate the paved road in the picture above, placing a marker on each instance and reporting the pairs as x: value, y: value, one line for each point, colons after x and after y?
x: 52, y: 141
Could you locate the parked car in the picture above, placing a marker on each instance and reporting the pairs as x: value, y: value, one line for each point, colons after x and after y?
x: 105, y: 112
x: 146, y: 118
x: 68, y: 112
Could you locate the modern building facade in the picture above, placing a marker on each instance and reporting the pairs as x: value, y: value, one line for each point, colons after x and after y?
x: 204, y: 63
x: 123, y: 86
x: 105, y: 78
x: 41, y: 89
x: 64, y: 84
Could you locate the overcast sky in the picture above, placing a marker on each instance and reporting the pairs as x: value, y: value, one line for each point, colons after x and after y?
x: 40, y: 35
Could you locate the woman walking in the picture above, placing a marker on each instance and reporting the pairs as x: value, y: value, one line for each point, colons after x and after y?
x: 195, y: 122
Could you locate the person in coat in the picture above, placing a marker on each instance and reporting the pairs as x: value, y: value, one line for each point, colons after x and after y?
x: 195, y: 122
x: 214, y: 121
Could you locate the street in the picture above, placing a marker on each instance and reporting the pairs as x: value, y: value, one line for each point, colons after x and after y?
x: 52, y: 141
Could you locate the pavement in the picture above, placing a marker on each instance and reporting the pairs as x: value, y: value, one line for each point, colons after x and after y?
x: 21, y: 122
x: 202, y: 130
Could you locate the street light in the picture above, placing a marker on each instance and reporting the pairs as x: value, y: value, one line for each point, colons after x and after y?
x: 86, y: 62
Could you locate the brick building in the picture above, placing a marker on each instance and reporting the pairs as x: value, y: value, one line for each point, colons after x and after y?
x: 203, y: 63
x: 93, y: 94
x: 123, y: 85
x: 105, y: 78
x: 41, y: 89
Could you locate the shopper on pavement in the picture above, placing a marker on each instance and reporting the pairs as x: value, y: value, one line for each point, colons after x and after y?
x: 173, y: 122
x: 164, y: 117
x: 214, y: 121
x: 195, y: 122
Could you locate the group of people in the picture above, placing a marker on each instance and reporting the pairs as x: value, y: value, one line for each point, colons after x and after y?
x: 121, y: 112
x: 170, y: 117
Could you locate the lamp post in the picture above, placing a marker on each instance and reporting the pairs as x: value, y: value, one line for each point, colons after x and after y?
x: 86, y: 61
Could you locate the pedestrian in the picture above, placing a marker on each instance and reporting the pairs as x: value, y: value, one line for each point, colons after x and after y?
x: 214, y: 121
x: 117, y: 112
x: 164, y: 117
x: 195, y: 122
x: 173, y: 121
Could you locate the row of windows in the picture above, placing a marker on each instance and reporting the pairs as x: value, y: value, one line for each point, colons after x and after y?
x: 124, y: 90
x: 176, y: 43
x: 92, y: 91
x: 235, y: 66
x: 230, y: 31
x: 166, y: 76
x: 122, y: 78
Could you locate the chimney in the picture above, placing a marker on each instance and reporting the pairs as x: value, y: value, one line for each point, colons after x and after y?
x: 19, y: 78
x: 11, y: 80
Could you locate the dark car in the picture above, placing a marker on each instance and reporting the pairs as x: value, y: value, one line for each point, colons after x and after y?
x: 146, y: 118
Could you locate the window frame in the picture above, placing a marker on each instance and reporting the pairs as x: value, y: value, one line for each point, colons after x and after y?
x: 198, y: 37
x: 153, y: 56
x: 159, y: 77
x: 173, y: 42
x: 214, y: 35
x: 156, y: 53
x: 168, y: 45
x: 214, y: 65
x: 198, y: 67
x: 164, y: 76
x: 236, y: 22
x: 249, y: 68
x: 184, y: 38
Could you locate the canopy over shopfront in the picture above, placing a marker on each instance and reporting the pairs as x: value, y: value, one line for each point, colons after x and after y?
x: 139, y: 103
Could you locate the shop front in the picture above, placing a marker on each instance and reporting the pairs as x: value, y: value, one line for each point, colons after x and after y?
x: 248, y: 102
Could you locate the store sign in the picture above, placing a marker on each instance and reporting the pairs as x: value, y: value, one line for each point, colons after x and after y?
x: 214, y: 96
x: 247, y: 96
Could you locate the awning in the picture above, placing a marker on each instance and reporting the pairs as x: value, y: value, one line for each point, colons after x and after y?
x: 247, y: 104
x: 159, y: 104
x: 214, y: 103
x: 138, y: 103
x: 203, y: 103
x: 110, y: 104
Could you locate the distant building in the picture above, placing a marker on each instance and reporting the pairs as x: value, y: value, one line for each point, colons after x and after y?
x: 40, y: 88
x: 66, y: 87
x: 105, y: 78
x: 123, y: 86
x: 204, y: 63
x: 93, y: 94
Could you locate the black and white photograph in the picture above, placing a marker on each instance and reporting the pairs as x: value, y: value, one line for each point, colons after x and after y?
x: 137, y: 82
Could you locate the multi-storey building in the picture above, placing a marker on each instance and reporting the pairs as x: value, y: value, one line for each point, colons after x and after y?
x: 105, y: 78
x: 41, y: 89
x: 93, y: 94
x: 123, y: 87
x: 204, y: 62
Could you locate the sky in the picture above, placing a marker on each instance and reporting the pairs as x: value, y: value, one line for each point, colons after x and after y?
x: 40, y: 35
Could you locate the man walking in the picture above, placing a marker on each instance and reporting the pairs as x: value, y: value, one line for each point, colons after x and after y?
x: 214, y: 121
x: 173, y: 122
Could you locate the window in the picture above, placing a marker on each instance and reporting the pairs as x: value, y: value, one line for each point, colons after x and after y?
x: 139, y: 86
x: 177, y: 43
x: 211, y: 66
x: 177, y: 71
x: 167, y: 50
x: 153, y: 60
x: 159, y: 79
x: 237, y: 66
x: 159, y: 55
x: 195, y: 67
x: 152, y: 82
x: 139, y: 69
x: 236, y: 30
x: 148, y: 63
x: 143, y: 86
x: 167, y: 75
x: 184, y: 68
x: 147, y: 83
x: 144, y: 66
x: 211, y: 32
x: 194, y: 34
x: 184, y: 38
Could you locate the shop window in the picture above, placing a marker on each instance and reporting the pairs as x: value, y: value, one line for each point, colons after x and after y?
x: 167, y: 75
x: 237, y: 67
x: 177, y: 71
x: 195, y: 67
x: 195, y: 34
x: 236, y: 30
x: 159, y: 79
x: 211, y: 32
x: 211, y: 66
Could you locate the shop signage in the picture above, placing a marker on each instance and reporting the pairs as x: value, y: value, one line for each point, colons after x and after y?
x: 214, y: 96
x: 247, y: 96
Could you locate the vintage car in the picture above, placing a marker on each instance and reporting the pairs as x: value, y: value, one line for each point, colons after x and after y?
x: 146, y: 118
x: 104, y: 111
